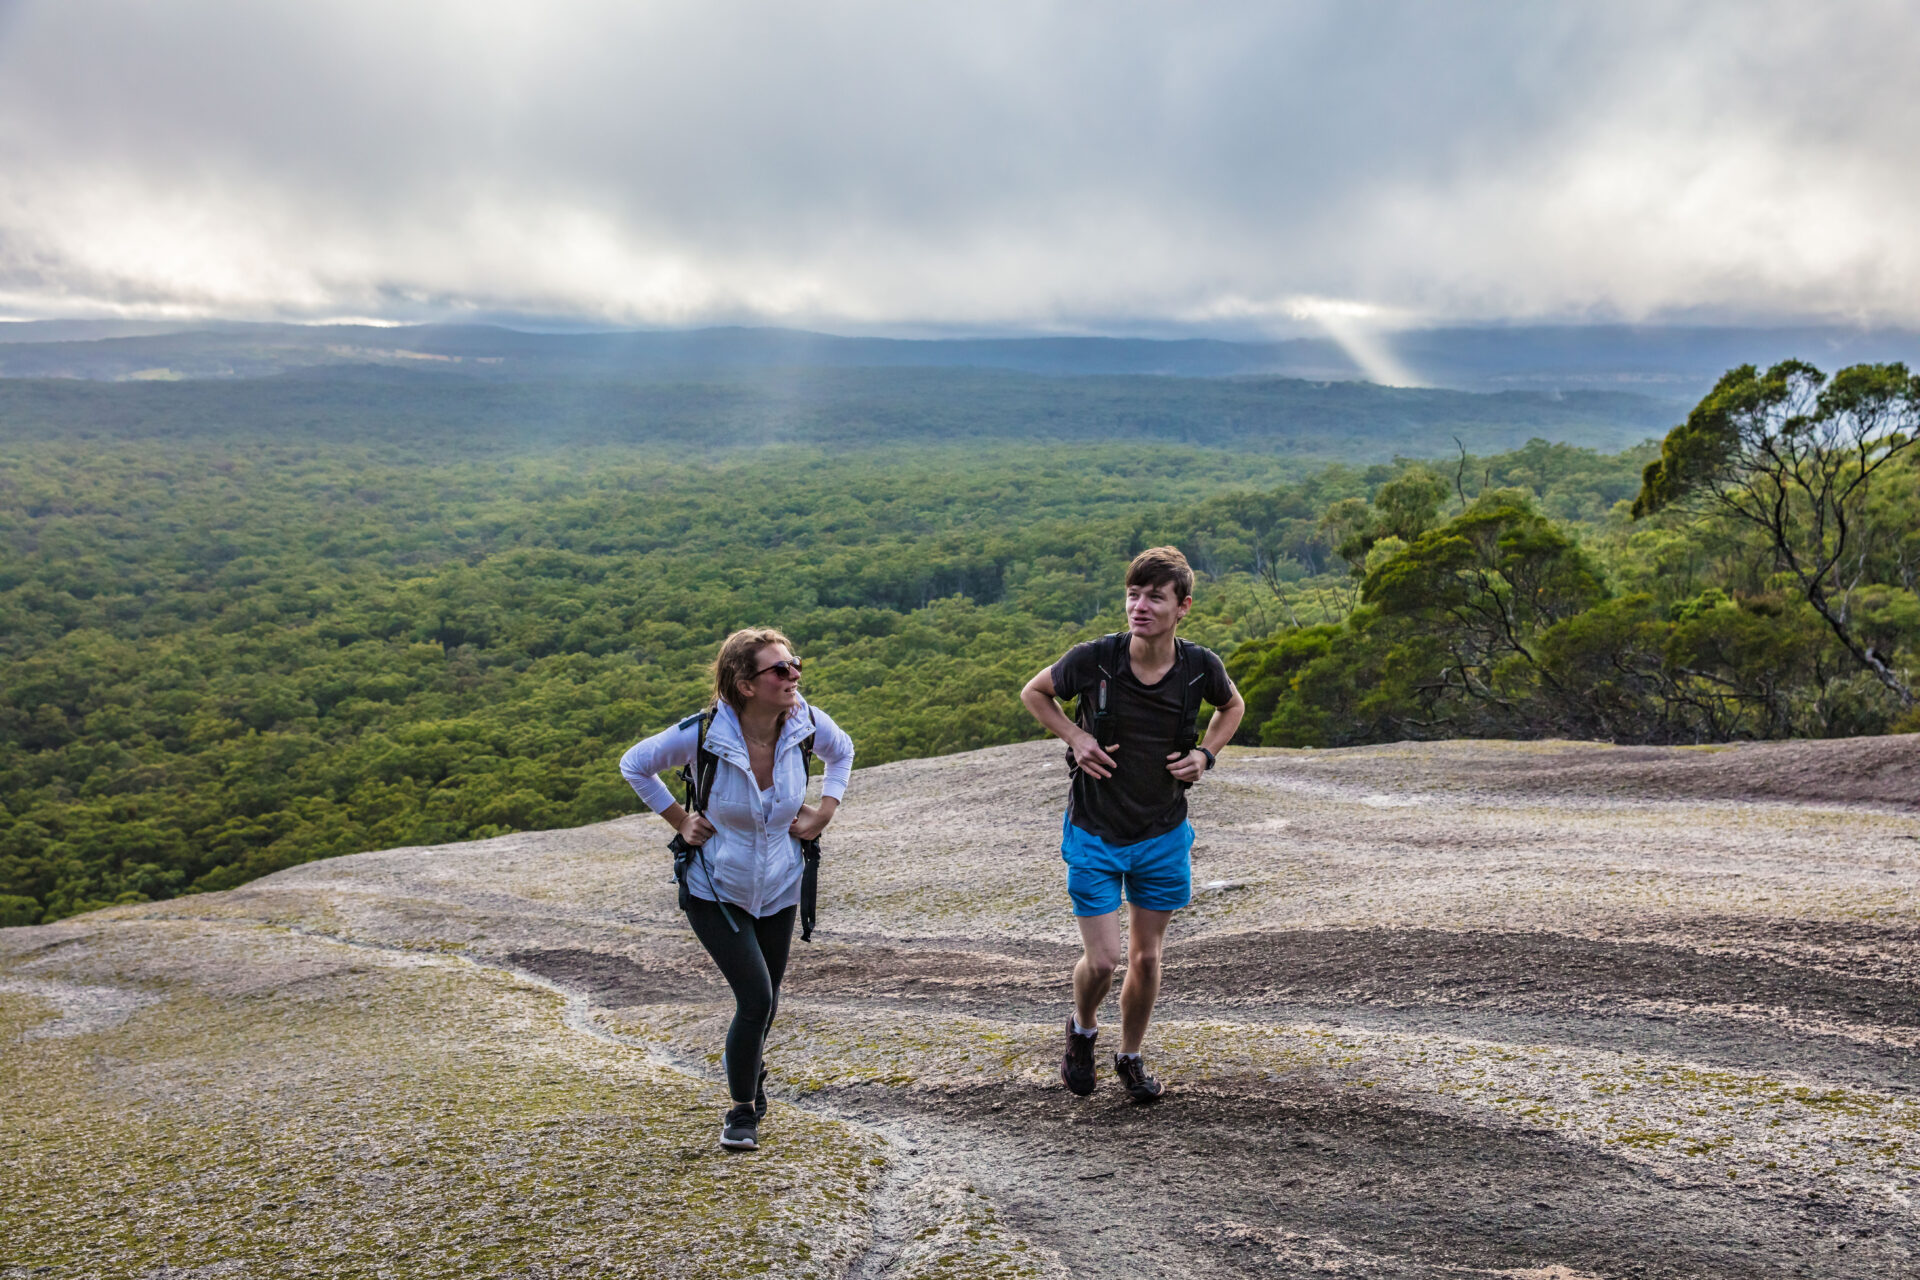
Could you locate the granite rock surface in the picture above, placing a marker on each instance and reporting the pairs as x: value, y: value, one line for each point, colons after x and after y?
x: 1551, y: 1010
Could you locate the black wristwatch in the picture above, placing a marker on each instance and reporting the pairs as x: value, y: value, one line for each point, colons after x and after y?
x: 1208, y: 754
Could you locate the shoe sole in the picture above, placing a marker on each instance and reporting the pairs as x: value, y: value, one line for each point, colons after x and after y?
x: 740, y: 1144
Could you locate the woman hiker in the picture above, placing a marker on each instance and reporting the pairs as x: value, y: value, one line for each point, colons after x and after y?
x: 740, y: 874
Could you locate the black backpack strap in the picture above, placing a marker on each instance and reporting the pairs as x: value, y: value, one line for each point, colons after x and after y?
x: 698, y: 776
x: 1093, y: 712
x: 809, y: 849
x: 1193, y: 674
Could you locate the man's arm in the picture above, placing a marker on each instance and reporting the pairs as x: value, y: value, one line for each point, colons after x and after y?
x: 1038, y: 698
x: 1220, y: 730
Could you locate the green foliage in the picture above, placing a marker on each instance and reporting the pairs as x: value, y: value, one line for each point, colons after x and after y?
x: 1400, y: 511
x: 1493, y: 575
x: 1709, y: 669
x: 1445, y: 640
x: 1311, y: 687
x: 1699, y: 622
x: 1699, y: 449
x: 1792, y: 459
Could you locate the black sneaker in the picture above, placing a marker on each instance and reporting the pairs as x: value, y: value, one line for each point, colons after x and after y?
x: 1076, y: 1068
x: 741, y: 1131
x: 1133, y: 1074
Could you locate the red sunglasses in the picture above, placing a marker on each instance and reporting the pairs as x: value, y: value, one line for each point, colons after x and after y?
x: 786, y: 669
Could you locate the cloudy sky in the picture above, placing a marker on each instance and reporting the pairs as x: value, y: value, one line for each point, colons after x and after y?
x: 1237, y: 168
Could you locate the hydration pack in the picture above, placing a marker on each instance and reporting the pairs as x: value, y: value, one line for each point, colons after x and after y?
x: 1095, y: 715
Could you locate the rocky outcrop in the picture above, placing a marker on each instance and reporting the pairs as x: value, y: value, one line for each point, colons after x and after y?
x: 1528, y: 1009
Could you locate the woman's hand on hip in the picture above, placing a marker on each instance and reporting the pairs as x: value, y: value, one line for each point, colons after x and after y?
x: 810, y: 821
x: 695, y: 829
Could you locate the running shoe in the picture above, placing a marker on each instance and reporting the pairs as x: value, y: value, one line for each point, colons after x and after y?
x: 1076, y: 1068
x: 1133, y: 1074
x: 741, y: 1131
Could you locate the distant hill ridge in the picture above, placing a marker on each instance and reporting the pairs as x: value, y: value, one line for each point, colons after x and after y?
x: 426, y: 401
x: 1670, y: 362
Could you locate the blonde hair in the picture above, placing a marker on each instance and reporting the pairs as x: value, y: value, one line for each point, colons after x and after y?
x: 739, y: 659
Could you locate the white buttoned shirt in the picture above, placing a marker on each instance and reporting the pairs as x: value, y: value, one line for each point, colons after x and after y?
x: 752, y: 861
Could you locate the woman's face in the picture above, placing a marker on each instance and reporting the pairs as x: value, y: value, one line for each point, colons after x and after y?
x: 778, y: 683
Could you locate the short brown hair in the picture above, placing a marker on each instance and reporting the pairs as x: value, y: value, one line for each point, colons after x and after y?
x: 739, y: 659
x: 1158, y: 565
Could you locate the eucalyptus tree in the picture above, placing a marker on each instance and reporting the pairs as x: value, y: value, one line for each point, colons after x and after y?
x: 1794, y: 457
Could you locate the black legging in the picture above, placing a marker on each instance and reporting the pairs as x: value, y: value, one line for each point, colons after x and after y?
x: 753, y: 962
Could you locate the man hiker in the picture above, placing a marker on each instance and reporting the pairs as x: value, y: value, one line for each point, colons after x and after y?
x: 1132, y: 754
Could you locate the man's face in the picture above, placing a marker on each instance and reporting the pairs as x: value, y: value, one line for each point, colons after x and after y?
x: 1155, y: 610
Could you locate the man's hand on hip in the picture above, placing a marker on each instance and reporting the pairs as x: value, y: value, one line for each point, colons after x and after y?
x: 1188, y: 766
x: 1090, y: 758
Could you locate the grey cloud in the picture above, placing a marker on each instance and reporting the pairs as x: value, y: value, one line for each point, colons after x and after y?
x: 1131, y: 166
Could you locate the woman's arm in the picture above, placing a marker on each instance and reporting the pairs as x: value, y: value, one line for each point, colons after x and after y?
x: 835, y: 749
x: 642, y: 765
x: 813, y: 819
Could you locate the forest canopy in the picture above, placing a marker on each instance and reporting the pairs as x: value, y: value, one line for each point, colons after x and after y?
x: 222, y: 654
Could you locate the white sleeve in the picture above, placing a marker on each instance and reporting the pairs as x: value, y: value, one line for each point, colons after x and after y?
x: 647, y: 759
x: 835, y: 749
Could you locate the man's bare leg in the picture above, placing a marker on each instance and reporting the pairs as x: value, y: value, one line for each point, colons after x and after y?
x: 1093, y: 975
x: 1147, y: 935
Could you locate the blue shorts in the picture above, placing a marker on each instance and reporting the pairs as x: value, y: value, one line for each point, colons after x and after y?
x: 1157, y: 873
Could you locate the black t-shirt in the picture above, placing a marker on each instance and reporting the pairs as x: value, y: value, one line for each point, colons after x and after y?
x: 1140, y: 800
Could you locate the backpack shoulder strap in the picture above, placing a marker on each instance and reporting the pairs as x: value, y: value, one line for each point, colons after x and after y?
x: 698, y: 777
x: 806, y: 744
x: 1093, y: 712
x: 1193, y: 674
